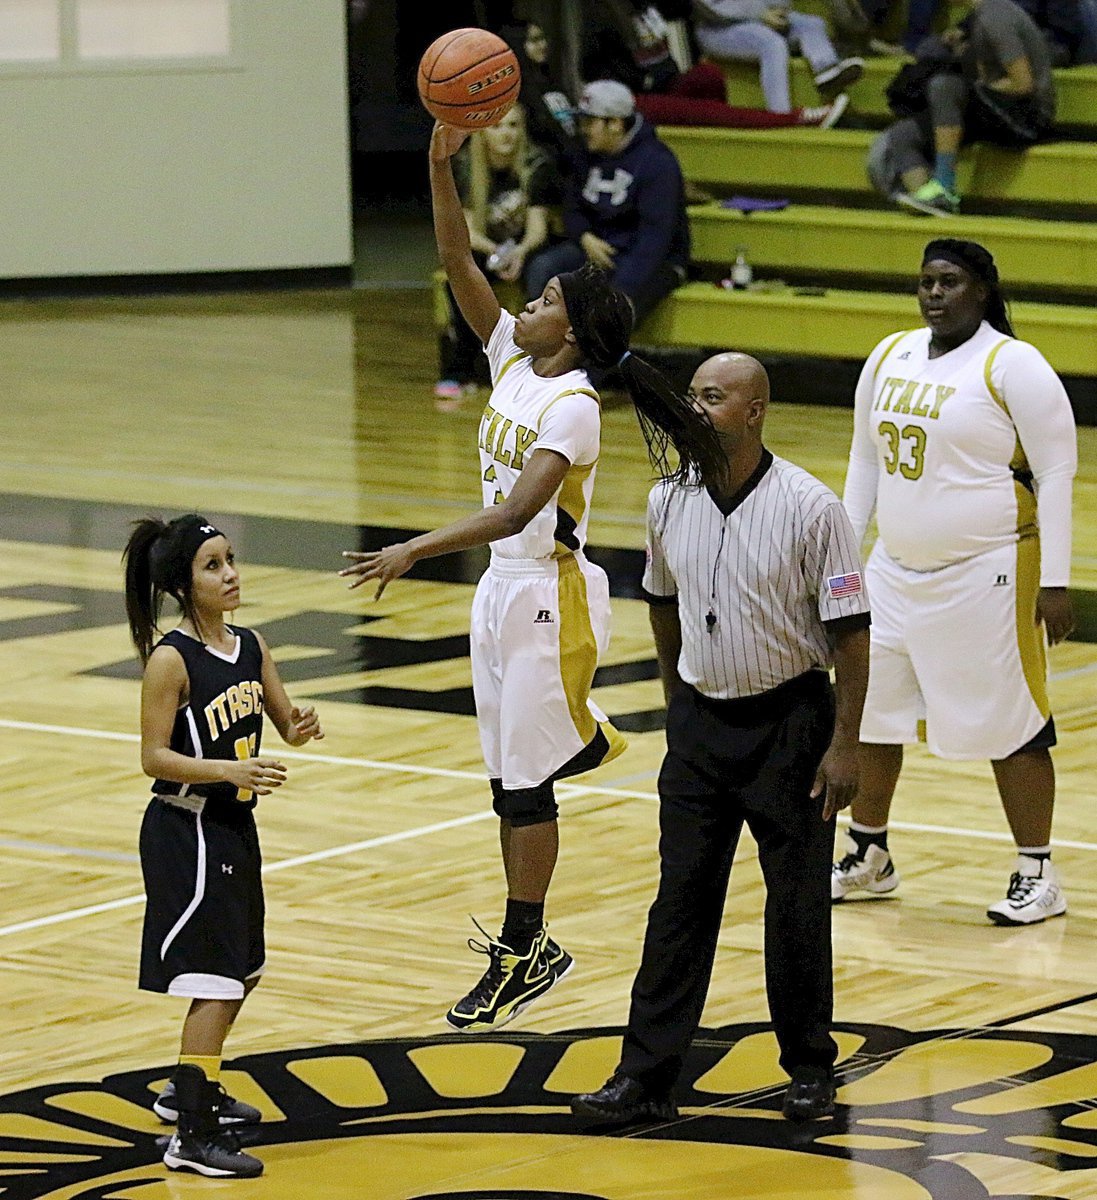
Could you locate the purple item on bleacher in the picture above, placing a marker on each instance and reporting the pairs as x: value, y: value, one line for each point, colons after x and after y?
x: 749, y: 204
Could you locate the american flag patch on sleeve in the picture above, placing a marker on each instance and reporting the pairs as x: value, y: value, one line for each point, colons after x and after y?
x: 844, y: 585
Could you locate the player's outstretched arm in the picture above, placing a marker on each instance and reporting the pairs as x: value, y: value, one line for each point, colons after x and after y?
x: 539, y: 481
x: 470, y: 287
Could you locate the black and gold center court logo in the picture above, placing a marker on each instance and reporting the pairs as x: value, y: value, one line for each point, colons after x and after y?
x: 931, y: 1116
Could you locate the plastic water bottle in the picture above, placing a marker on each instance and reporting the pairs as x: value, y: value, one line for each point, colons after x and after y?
x: 742, y: 274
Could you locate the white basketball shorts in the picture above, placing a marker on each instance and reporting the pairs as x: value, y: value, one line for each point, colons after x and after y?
x: 956, y: 654
x: 538, y: 628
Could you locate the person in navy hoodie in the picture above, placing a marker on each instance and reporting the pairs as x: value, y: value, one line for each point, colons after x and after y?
x: 624, y: 205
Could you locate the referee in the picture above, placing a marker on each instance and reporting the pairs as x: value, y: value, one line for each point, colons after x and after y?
x: 755, y: 592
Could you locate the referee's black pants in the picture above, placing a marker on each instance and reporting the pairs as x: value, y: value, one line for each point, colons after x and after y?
x: 727, y: 762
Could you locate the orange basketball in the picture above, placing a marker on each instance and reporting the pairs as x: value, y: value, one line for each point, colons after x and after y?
x: 469, y: 78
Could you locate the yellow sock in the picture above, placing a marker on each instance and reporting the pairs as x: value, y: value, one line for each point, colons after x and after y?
x: 209, y: 1066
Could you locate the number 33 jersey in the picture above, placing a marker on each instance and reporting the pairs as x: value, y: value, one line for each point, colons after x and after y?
x: 952, y: 451
x: 223, y: 715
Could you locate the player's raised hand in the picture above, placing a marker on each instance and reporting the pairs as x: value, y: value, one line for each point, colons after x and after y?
x: 383, y: 565
x: 445, y: 141
x: 306, y: 725
x: 258, y: 775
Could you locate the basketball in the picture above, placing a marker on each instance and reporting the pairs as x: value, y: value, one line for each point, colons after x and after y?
x: 469, y: 78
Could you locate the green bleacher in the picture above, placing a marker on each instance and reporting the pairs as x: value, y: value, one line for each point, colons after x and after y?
x: 845, y: 324
x: 882, y: 245
x: 1076, y: 88
x: 833, y: 160
x: 834, y: 270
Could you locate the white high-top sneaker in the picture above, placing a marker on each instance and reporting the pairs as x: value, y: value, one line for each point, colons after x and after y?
x: 875, y: 874
x: 1033, y: 895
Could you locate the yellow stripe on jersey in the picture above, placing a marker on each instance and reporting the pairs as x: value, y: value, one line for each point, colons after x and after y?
x: 988, y: 366
x: 578, y: 649
x: 572, y: 500
x: 1025, y: 497
x: 890, y: 346
x: 1030, y: 636
x: 1018, y: 464
x: 570, y: 392
x: 507, y: 366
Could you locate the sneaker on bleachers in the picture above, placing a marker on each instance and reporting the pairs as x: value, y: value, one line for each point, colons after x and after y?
x: 932, y: 198
x: 832, y: 80
x: 826, y: 116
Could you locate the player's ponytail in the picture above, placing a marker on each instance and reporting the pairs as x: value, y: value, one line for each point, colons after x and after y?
x: 157, y: 560
x: 143, y: 598
x: 668, y: 419
x: 601, y: 317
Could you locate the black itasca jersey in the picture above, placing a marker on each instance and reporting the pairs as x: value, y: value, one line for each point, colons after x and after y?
x: 223, y: 716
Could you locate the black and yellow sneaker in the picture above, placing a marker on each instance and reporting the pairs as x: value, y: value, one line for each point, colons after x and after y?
x: 510, y: 984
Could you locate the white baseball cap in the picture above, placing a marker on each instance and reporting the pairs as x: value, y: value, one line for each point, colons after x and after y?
x: 606, y: 98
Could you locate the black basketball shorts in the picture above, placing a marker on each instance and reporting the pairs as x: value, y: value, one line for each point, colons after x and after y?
x: 203, y: 931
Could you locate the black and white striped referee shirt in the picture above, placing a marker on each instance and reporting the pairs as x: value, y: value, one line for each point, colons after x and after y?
x: 755, y: 582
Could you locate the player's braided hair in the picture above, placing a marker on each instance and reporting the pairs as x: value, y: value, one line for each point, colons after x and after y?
x: 601, y: 318
x: 157, y: 562
x: 978, y: 261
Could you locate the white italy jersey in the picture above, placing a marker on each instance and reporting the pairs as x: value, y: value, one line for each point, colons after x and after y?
x: 526, y: 413
x: 953, y: 451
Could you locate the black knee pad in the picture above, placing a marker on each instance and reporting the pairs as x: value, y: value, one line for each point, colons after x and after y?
x: 524, y: 806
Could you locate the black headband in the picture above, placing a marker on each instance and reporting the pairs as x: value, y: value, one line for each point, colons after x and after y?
x: 173, y: 551
x: 970, y: 255
x: 192, y: 532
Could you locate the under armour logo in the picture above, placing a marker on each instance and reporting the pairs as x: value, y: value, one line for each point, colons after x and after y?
x: 226, y: 868
x: 1001, y: 581
x: 544, y: 617
x: 616, y: 188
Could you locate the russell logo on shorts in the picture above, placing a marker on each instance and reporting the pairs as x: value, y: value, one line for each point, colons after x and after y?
x: 544, y: 617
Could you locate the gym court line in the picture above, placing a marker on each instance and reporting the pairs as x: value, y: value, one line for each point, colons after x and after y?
x: 347, y: 848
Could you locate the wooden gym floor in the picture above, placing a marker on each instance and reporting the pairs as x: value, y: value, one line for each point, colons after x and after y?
x: 303, y: 425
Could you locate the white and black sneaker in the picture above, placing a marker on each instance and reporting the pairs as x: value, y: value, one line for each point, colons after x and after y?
x: 230, y: 1111
x: 201, y: 1144
x: 1033, y: 895
x: 872, y: 873
x: 841, y: 75
x: 218, y: 1156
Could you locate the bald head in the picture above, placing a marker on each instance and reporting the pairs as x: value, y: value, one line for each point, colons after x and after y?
x: 732, y: 390
x: 736, y: 374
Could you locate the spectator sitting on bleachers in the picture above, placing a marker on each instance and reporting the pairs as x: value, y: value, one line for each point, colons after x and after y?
x: 506, y: 189
x: 918, y: 22
x: 624, y: 207
x: 1060, y: 22
x: 630, y: 43
x: 1004, y: 94
x: 766, y: 31
x: 550, y: 113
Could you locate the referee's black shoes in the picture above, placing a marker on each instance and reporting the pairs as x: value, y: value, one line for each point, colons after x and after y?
x: 622, y: 1100
x: 810, y: 1095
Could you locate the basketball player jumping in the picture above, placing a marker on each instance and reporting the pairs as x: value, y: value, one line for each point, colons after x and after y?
x: 541, y: 614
